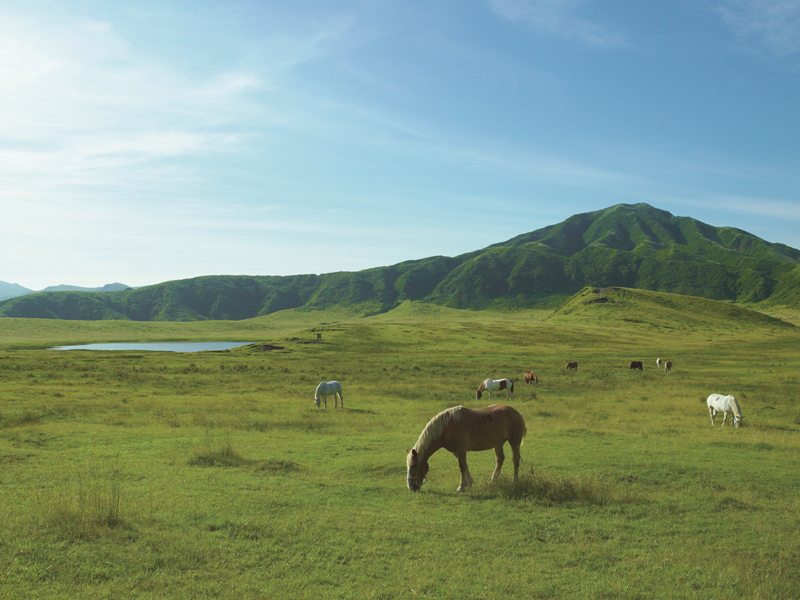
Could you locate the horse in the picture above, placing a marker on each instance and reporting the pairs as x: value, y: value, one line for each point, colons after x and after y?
x: 495, y: 385
x: 724, y: 404
x: 636, y: 364
x: 668, y: 366
x: 329, y: 388
x: 530, y: 377
x: 658, y: 363
x: 461, y: 430
x: 571, y: 365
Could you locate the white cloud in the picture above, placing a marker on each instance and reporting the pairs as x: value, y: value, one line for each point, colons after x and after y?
x: 561, y: 18
x: 773, y: 23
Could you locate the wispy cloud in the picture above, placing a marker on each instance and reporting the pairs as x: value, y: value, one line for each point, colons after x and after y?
x: 775, y: 24
x: 561, y: 18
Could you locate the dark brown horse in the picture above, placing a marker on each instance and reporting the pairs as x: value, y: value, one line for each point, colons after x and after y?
x: 571, y: 365
x: 530, y: 377
x: 636, y: 364
x: 461, y: 430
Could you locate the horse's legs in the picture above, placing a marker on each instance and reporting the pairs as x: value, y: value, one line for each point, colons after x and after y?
x: 325, y: 402
x: 341, y: 399
x: 515, y: 457
x: 711, y: 415
x: 466, y: 478
x: 500, y: 457
x: 724, y: 417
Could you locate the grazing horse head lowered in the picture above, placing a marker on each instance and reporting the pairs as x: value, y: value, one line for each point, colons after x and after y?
x: 329, y: 388
x: 495, y: 385
x: 530, y: 377
x: 724, y: 404
x: 460, y: 430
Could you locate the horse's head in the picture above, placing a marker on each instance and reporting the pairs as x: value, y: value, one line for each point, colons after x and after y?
x: 316, y: 401
x: 478, y: 393
x: 737, y: 420
x: 417, y: 470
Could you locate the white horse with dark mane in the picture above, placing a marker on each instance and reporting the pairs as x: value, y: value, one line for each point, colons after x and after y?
x: 724, y: 404
x: 329, y: 388
x: 495, y: 385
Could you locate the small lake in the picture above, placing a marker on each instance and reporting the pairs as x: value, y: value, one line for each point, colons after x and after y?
x: 158, y: 346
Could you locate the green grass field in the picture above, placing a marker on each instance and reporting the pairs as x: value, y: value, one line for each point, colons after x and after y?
x: 150, y: 475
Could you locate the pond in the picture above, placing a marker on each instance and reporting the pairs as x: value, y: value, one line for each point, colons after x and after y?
x: 157, y: 346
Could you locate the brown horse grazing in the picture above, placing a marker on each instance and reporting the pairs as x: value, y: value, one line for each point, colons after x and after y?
x: 668, y: 366
x: 571, y: 365
x: 461, y: 430
x: 636, y: 364
x: 530, y: 377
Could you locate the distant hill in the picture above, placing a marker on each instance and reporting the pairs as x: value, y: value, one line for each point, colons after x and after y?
x: 12, y: 290
x: 661, y: 311
x: 631, y: 246
x: 109, y: 287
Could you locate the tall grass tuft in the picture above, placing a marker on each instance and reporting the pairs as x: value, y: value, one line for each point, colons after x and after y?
x: 214, y: 454
x: 85, y: 507
x: 552, y: 490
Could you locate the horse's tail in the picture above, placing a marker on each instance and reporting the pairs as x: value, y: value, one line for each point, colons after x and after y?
x: 512, y: 385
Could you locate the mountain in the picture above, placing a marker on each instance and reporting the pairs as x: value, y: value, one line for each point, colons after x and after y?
x: 12, y: 290
x: 109, y: 287
x: 631, y: 246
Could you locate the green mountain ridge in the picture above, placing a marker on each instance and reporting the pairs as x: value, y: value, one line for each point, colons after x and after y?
x: 631, y: 246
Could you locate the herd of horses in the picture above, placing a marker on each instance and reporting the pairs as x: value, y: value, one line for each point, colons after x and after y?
x: 460, y: 430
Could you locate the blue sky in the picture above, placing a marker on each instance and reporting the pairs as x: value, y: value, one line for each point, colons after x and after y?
x: 146, y: 141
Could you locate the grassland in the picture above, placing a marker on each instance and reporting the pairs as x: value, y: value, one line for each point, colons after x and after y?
x: 150, y: 475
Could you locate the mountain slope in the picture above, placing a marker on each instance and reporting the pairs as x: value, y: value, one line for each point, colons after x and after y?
x: 632, y: 246
x: 12, y: 290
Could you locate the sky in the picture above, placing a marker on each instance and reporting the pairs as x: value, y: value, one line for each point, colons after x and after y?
x: 146, y: 141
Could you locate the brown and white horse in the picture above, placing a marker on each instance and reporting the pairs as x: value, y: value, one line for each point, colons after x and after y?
x: 495, y: 385
x: 530, y: 377
x: 460, y: 430
x: 668, y: 366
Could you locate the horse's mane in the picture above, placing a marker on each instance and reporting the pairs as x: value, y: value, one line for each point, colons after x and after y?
x: 735, y: 407
x: 435, y: 428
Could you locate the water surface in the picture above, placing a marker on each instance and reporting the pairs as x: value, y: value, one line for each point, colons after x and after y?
x: 157, y: 346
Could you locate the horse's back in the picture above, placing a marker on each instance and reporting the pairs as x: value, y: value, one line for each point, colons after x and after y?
x: 329, y: 387
x: 720, y: 402
x: 489, y: 427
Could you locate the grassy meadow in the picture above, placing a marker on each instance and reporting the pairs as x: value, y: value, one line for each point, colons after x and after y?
x: 156, y: 475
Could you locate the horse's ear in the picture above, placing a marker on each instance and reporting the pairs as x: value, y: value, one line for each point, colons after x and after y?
x: 413, y: 452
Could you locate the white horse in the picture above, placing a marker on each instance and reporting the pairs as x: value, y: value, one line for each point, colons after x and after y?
x: 658, y: 363
x: 495, y: 385
x: 724, y: 404
x: 329, y: 388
